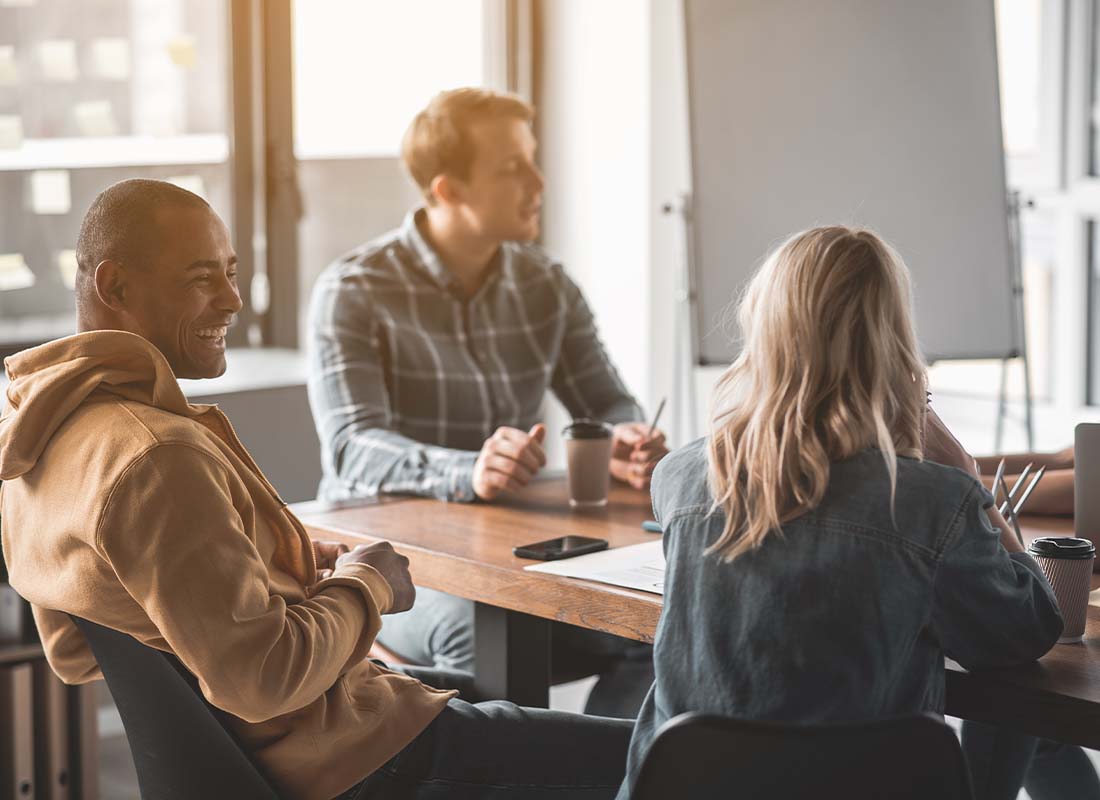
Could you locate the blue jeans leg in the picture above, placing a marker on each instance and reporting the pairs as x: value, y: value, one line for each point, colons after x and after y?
x: 500, y: 751
x: 1003, y: 761
x: 438, y: 632
x: 1061, y: 772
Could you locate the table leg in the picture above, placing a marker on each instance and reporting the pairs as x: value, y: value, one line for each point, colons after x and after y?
x: 511, y: 656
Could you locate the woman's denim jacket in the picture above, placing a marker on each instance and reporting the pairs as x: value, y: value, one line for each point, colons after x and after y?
x: 841, y: 615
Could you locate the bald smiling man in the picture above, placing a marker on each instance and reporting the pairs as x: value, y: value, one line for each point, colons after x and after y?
x: 126, y: 505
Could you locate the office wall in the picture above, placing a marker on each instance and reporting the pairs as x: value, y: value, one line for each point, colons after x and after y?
x: 669, y: 180
x: 593, y: 125
x: 612, y: 129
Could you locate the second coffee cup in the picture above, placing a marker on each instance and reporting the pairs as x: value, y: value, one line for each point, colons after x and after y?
x: 1067, y: 563
x: 588, y: 460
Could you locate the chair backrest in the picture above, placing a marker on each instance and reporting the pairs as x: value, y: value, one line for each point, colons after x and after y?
x: 181, y: 746
x: 703, y: 757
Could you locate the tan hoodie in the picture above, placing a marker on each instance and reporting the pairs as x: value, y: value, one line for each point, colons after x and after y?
x: 123, y: 504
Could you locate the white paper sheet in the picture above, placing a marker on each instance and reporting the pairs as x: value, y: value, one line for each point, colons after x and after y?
x: 67, y: 266
x: 57, y: 60
x: 9, y: 70
x: 14, y: 272
x: 50, y: 192
x: 638, y: 566
x: 11, y: 131
x: 111, y: 59
x: 95, y: 118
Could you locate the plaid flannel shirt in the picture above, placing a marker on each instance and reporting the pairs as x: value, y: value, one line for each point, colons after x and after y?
x: 408, y: 379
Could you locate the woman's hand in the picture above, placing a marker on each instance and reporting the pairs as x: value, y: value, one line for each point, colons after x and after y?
x: 941, y: 446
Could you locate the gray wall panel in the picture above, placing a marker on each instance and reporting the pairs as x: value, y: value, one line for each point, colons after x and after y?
x: 881, y: 113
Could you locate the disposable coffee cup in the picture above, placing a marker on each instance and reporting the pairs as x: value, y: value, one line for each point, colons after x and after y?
x: 588, y: 459
x: 1067, y: 563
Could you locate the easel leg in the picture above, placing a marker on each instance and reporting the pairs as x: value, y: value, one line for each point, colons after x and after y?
x: 1002, y: 407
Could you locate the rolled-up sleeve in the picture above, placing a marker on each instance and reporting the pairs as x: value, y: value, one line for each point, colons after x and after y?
x: 174, y: 537
x: 991, y: 608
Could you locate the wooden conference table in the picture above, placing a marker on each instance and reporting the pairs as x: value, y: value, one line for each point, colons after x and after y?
x: 466, y: 550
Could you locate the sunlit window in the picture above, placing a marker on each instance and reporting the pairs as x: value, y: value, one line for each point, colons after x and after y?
x: 1019, y: 44
x: 363, y: 68
x: 90, y: 94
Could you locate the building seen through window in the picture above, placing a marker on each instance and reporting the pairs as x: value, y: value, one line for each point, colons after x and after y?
x: 92, y: 93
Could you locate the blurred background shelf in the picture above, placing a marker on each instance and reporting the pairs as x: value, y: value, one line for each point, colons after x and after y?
x: 115, y: 151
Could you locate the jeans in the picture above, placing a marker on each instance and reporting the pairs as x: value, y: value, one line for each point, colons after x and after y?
x: 1003, y: 761
x: 500, y: 751
x: 439, y: 631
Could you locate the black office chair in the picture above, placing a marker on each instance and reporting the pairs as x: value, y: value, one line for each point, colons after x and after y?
x: 709, y: 757
x: 182, y: 747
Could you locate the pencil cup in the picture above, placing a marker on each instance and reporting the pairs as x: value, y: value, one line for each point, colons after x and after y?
x: 588, y: 459
x: 1067, y: 563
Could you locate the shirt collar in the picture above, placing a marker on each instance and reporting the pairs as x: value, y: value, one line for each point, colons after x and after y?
x: 427, y: 256
x: 429, y: 259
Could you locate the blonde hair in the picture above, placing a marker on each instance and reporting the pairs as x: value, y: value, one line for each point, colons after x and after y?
x: 437, y: 141
x: 830, y: 366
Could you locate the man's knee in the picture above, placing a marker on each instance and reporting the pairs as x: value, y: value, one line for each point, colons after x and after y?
x: 437, y: 631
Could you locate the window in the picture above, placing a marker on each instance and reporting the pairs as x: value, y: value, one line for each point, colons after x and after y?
x: 1019, y: 48
x: 201, y: 92
x: 92, y: 93
x: 363, y: 68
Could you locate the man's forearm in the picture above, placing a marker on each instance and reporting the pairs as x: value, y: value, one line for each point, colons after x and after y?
x: 381, y: 461
x: 1015, y: 463
x: 1053, y: 495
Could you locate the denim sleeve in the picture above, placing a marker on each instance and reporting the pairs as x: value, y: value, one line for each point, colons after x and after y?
x: 351, y: 406
x: 991, y: 608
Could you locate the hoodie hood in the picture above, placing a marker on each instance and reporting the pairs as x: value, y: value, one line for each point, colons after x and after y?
x: 50, y: 382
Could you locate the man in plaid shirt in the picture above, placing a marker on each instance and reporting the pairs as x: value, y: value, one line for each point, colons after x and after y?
x: 433, y: 346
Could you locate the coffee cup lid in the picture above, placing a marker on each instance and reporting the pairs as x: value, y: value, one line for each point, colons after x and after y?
x: 1062, y: 547
x: 587, y: 429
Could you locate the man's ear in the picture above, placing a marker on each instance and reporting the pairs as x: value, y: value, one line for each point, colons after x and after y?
x: 110, y: 284
x: 446, y: 189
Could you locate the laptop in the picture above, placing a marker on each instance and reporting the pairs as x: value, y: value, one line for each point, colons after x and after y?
x: 1086, y: 482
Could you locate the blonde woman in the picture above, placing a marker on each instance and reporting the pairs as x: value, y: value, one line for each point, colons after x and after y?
x: 820, y: 564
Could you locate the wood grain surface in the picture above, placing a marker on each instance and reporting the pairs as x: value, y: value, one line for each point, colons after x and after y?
x: 466, y: 550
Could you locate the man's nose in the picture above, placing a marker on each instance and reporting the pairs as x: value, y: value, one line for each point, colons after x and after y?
x: 228, y: 297
x: 537, y: 182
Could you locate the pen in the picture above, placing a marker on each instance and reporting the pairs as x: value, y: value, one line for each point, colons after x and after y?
x: 1011, y: 515
x: 1030, y: 488
x: 656, y: 417
x: 997, y: 479
x: 1019, y: 482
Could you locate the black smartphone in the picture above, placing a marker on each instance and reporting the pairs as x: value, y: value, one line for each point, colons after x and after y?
x: 562, y: 547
